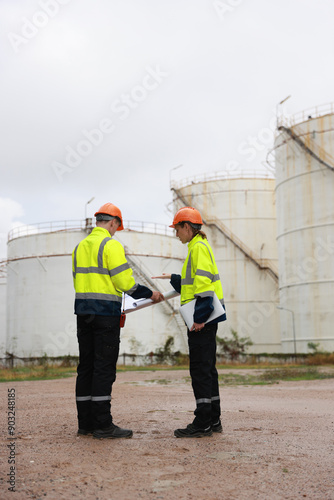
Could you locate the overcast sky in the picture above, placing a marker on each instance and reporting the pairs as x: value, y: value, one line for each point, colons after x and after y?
x: 105, y: 98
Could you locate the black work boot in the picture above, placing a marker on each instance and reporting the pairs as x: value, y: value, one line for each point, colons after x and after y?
x: 112, y: 432
x: 192, y: 432
x: 85, y: 432
x: 217, y: 427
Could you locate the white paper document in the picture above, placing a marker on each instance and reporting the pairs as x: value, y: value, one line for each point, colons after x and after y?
x: 131, y: 305
x: 187, y: 311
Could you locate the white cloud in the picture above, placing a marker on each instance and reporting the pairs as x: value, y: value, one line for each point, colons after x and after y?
x: 225, y: 78
x: 9, y: 210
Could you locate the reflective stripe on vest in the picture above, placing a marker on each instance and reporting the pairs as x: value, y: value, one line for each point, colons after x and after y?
x: 204, y: 279
x: 212, y: 277
x: 188, y: 280
x: 103, y: 270
x: 98, y: 296
x: 100, y: 270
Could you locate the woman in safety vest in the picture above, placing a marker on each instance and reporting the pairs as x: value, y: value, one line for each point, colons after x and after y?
x: 200, y: 282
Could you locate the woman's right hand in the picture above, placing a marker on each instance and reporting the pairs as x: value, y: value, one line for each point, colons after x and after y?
x: 163, y: 276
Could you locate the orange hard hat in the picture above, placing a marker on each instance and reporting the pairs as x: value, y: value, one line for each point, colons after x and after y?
x: 113, y: 211
x: 187, y: 214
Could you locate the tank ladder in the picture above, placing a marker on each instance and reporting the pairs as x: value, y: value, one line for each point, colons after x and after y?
x: 313, y: 149
x: 144, y: 274
x: 263, y: 264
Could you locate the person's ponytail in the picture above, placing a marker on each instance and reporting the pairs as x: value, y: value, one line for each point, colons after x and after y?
x: 196, y: 228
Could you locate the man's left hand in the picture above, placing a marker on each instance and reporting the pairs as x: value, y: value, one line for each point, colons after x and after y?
x: 197, y: 327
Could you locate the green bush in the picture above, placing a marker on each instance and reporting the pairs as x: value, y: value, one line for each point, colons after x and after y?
x: 164, y: 354
x: 233, y: 348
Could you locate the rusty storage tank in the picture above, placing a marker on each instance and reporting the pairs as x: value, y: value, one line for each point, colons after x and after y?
x: 3, y: 306
x: 240, y: 220
x: 304, y: 152
x: 40, y: 293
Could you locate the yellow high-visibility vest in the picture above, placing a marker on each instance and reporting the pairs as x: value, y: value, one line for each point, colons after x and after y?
x: 200, y: 277
x: 100, y: 274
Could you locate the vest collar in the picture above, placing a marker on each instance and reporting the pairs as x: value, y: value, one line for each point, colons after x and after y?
x: 102, y: 231
x: 195, y: 239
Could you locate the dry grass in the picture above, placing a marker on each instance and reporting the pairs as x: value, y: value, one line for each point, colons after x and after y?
x: 266, y: 373
x: 40, y: 372
x: 319, y: 359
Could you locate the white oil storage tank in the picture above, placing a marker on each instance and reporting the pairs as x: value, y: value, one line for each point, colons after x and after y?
x: 239, y: 215
x: 304, y: 151
x: 3, y: 312
x: 40, y: 293
x: 40, y: 317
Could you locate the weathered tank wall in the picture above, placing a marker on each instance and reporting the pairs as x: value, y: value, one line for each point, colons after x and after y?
x: 40, y: 294
x: 244, y: 209
x: 305, y: 216
x: 3, y: 315
x: 245, y: 205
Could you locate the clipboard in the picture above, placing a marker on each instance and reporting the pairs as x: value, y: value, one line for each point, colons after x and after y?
x: 187, y: 311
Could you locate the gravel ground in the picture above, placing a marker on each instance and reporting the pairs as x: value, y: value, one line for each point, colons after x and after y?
x: 278, y: 443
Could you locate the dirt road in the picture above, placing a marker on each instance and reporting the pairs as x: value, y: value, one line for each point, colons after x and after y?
x: 278, y: 443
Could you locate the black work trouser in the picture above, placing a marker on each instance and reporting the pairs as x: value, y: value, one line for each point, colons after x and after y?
x: 204, y: 375
x: 98, y: 338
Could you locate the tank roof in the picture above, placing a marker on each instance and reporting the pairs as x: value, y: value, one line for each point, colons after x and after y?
x: 83, y: 225
x: 221, y: 175
x: 305, y: 115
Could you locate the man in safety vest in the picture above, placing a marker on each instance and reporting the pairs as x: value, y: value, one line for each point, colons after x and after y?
x: 100, y: 274
x: 199, y: 281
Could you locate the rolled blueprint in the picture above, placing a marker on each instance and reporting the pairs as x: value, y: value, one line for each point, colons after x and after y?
x: 132, y: 305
